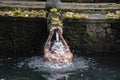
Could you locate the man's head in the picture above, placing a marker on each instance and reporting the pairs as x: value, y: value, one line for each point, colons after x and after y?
x: 58, y: 48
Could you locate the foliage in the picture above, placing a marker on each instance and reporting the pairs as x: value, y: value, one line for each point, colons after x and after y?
x: 24, y: 13
x: 75, y: 15
x: 56, y: 21
x: 53, y: 10
x: 112, y: 15
x: 118, y: 13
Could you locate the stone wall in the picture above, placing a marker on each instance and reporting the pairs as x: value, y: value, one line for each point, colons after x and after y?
x: 27, y: 36
x: 93, y: 38
x: 21, y: 36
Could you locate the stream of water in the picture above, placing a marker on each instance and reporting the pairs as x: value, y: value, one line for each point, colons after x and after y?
x: 57, y: 36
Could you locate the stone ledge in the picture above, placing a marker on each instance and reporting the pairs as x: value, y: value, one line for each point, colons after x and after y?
x: 66, y: 20
x: 74, y: 6
x: 92, y: 20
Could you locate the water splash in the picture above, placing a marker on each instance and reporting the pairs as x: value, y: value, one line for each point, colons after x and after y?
x: 103, y: 68
x: 38, y: 64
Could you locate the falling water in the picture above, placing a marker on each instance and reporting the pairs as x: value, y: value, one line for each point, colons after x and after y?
x: 57, y: 36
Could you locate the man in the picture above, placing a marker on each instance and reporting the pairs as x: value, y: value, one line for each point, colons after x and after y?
x: 59, y: 55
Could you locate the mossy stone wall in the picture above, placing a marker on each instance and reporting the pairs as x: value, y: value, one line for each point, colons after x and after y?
x: 21, y: 36
x: 27, y: 36
x: 93, y: 38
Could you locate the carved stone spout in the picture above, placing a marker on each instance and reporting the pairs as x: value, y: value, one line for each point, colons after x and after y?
x: 53, y: 4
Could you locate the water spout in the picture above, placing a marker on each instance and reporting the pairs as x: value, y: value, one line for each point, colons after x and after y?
x: 53, y: 3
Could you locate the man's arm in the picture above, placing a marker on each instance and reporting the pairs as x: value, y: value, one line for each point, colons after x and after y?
x: 47, y: 44
x: 61, y: 37
x: 64, y: 42
x: 68, y: 53
x: 47, y: 47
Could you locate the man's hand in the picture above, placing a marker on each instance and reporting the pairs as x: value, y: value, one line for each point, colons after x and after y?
x: 52, y: 30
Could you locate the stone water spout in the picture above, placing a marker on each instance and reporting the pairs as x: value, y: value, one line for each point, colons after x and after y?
x: 53, y: 4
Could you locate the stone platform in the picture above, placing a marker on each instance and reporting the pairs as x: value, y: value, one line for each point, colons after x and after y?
x: 96, y: 10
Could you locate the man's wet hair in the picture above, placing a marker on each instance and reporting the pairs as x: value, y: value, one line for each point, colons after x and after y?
x: 57, y: 45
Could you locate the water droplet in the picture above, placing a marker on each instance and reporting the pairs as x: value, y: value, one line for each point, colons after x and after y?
x: 82, y: 75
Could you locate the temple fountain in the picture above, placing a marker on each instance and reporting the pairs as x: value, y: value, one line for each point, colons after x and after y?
x: 91, y: 30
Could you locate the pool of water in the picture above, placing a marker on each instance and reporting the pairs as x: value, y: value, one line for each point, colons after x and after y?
x: 82, y: 68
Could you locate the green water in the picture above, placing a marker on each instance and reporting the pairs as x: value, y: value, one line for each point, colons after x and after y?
x: 98, y: 68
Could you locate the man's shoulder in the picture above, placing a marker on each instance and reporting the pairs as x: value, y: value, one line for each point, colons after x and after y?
x: 46, y: 50
x: 67, y: 51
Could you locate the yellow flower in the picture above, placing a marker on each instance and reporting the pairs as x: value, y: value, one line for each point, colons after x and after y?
x: 53, y: 10
x: 112, y: 16
x: 117, y: 12
x: 83, y: 16
x: 55, y: 19
x: 76, y: 15
x: 69, y: 15
x: 54, y: 22
x: 26, y: 15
